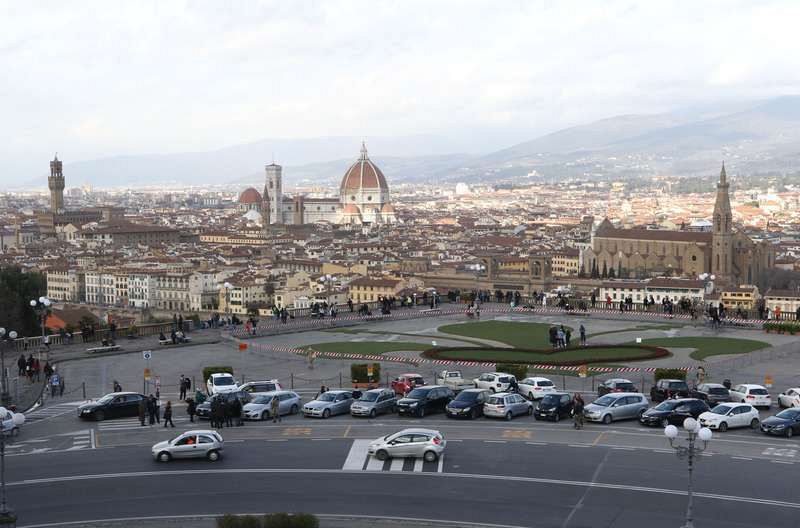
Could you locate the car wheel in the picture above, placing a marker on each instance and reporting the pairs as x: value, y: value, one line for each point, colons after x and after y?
x: 164, y: 457
x: 754, y: 423
x: 264, y: 415
x: 607, y: 419
x: 430, y: 456
x: 99, y: 416
x: 15, y: 431
x: 295, y: 409
x: 723, y: 427
x: 664, y: 423
x: 557, y: 416
x: 212, y: 455
x: 530, y: 396
x: 742, y: 401
x: 509, y: 416
x: 326, y: 413
x: 492, y: 389
x: 382, y: 454
x: 789, y: 432
x: 372, y: 413
x: 421, y: 412
x: 530, y: 410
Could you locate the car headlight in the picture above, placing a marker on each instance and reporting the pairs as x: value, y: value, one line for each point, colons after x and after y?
x: 779, y: 426
x: 413, y: 404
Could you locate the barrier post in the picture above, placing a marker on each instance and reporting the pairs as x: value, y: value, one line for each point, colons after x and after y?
x: 83, y: 387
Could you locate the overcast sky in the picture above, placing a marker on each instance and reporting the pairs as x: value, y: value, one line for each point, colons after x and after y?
x: 96, y: 79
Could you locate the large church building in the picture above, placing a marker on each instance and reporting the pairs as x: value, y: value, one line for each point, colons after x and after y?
x: 730, y: 255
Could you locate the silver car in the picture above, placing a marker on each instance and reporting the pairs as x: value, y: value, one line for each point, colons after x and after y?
x: 329, y: 404
x: 506, y: 405
x: 417, y: 443
x: 374, y: 402
x: 616, y: 406
x: 261, y: 407
x: 191, y: 444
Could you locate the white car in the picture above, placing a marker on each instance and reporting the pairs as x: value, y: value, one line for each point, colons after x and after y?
x: 494, y: 381
x: 11, y: 421
x: 536, y: 388
x: 191, y: 444
x: 221, y: 383
x: 413, y: 443
x: 789, y: 398
x: 755, y: 395
x: 727, y: 415
x: 261, y: 387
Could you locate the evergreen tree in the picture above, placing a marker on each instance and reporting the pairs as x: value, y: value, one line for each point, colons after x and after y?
x: 604, y: 275
x: 594, y: 273
x: 612, y: 274
x: 17, y: 289
x: 581, y: 272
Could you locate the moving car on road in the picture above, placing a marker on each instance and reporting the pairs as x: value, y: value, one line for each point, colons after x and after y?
x: 616, y: 385
x: 261, y: 387
x: 418, y: 443
x: 405, y: 383
x: 711, y: 393
x: 221, y: 383
x: 494, y: 381
x: 536, y: 388
x: 674, y: 412
x: 554, y: 406
x: 789, y: 398
x: 785, y: 423
x: 669, y: 388
x: 330, y: 403
x: 261, y: 407
x: 467, y: 404
x: 425, y: 400
x: 616, y: 406
x: 191, y: 444
x: 114, y: 405
x: 507, y: 405
x: 374, y: 402
x: 755, y: 395
x: 11, y: 421
x: 727, y: 415
x: 203, y: 410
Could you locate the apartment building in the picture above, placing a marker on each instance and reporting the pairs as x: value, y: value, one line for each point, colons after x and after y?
x: 66, y: 285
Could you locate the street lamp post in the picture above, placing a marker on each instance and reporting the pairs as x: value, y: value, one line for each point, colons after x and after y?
x: 689, y: 451
x: 327, y: 280
x: 7, y: 516
x: 7, y: 339
x: 478, y: 269
x: 42, y: 308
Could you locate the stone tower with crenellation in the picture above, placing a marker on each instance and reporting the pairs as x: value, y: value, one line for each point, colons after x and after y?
x: 273, y: 192
x: 56, y: 184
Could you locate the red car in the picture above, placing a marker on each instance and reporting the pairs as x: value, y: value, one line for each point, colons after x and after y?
x: 403, y: 384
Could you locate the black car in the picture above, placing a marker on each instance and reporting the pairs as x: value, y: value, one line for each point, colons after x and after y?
x: 616, y: 385
x: 673, y: 412
x: 554, y: 406
x: 785, y: 423
x: 425, y: 400
x: 711, y: 393
x: 114, y: 405
x: 468, y: 404
x: 666, y: 389
x: 204, y: 409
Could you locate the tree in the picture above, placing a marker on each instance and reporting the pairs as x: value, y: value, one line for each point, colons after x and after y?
x: 595, y: 274
x: 581, y: 272
x: 604, y: 275
x: 612, y: 274
x: 17, y: 288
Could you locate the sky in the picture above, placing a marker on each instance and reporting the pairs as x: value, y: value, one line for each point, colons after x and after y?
x: 97, y: 79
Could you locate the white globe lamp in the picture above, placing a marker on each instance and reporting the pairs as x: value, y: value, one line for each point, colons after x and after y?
x: 671, y: 432
x: 704, y: 434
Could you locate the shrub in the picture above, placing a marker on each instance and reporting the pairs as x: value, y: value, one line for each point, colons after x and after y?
x: 667, y: 373
x: 295, y: 520
x: 519, y: 371
x: 208, y: 371
x: 358, y: 372
x: 238, y: 521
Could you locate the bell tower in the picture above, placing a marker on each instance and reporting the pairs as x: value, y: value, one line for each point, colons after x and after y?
x: 273, y: 188
x: 722, y: 239
x: 56, y: 184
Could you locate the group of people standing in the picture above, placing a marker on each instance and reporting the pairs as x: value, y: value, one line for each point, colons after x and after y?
x: 223, y: 413
x: 559, y: 336
x: 150, y: 409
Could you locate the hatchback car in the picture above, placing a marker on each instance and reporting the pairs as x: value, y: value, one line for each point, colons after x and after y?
x: 220, y: 383
x: 467, y: 404
x: 425, y: 400
x: 507, y: 405
x: 418, y: 443
x: 203, y: 410
x: 785, y: 423
x: 261, y: 406
x: 260, y: 387
x: 673, y: 412
x: 374, y: 402
x: 711, y: 393
x: 755, y: 395
x: 405, y: 383
x: 191, y: 444
x: 666, y: 389
x: 616, y: 406
x: 494, y: 381
x: 536, y: 388
x: 114, y: 405
x: 554, y: 406
x: 616, y: 385
x: 329, y: 404
x: 789, y: 398
x: 727, y: 415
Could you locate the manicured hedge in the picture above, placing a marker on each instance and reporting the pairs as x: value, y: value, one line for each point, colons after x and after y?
x: 667, y: 373
x: 271, y: 520
x: 655, y: 352
x: 519, y: 371
x: 782, y: 327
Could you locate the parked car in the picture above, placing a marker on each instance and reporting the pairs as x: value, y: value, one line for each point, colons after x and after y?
x: 755, y: 395
x: 494, y: 381
x: 10, y: 424
x: 453, y: 379
x: 191, y: 444
x: 261, y: 387
x: 220, y: 383
x: 674, y: 412
x: 114, y: 405
x: 467, y: 404
x: 711, y: 393
x: 329, y: 404
x: 418, y: 443
x: 260, y: 408
x: 536, y: 388
x: 616, y: 406
x: 616, y: 385
x: 405, y: 383
x: 665, y: 389
x: 425, y: 400
x: 374, y: 402
x: 507, y: 405
x: 789, y: 398
x: 785, y: 423
x: 727, y: 415
x: 203, y: 410
x: 554, y: 406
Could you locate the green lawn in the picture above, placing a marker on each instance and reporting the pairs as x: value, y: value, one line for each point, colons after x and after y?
x: 515, y: 334
x: 408, y: 334
x: 708, y: 346
x: 367, y: 347
x: 594, y: 355
x: 665, y: 326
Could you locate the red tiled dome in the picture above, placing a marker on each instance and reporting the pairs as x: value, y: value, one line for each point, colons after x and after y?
x: 387, y: 208
x: 351, y: 209
x: 250, y: 196
x: 363, y: 174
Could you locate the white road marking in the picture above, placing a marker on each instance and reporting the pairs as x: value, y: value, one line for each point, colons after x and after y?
x: 579, y: 445
x: 536, y: 443
x: 357, y: 455
x: 623, y: 449
x: 494, y: 441
x: 741, y: 458
x: 441, y: 464
x: 418, y: 465
x: 373, y: 464
x: 397, y: 464
x: 781, y: 462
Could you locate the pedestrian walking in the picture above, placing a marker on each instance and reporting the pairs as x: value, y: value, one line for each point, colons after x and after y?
x: 182, y: 384
x: 61, y: 385
x: 191, y: 408
x: 55, y: 381
x: 274, y: 409
x: 168, y: 414
x: 37, y: 369
x: 158, y: 408
x: 577, y: 411
x: 21, y: 365
x: 151, y: 409
x: 142, y: 410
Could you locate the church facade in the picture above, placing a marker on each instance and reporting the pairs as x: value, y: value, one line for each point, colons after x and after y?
x: 730, y: 255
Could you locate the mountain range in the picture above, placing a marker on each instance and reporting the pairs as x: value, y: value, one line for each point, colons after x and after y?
x: 752, y: 137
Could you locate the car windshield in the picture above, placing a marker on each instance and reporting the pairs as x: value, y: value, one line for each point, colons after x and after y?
x: 759, y: 392
x: 667, y: 405
x: 417, y: 393
x: 417, y: 381
x: 225, y: 380
x: 551, y: 399
x: 467, y: 396
x: 721, y: 391
x: 678, y: 385
x: 604, y: 401
x: 628, y: 386
x: 496, y: 400
x: 545, y: 383
x: 107, y: 398
x: 327, y: 397
x: 368, y: 397
x: 263, y: 399
x: 788, y: 414
x: 721, y: 409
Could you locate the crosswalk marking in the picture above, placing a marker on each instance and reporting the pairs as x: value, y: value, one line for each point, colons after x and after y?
x: 359, y: 460
x: 397, y: 464
x: 134, y: 423
x: 373, y: 464
x: 51, y: 411
x: 355, y: 458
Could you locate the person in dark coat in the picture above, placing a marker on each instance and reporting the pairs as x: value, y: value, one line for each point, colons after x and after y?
x: 236, y: 411
x: 142, y: 409
x: 191, y: 408
x: 21, y: 364
x: 182, y: 384
x: 227, y: 412
x: 151, y: 409
x: 168, y: 414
